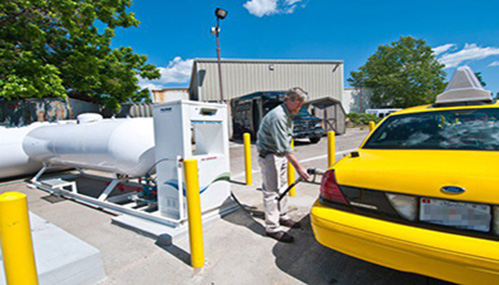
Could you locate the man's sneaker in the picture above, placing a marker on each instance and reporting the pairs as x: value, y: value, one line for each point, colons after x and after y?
x: 281, y: 236
x: 290, y: 223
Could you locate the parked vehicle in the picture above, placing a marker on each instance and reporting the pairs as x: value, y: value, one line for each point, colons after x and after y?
x: 420, y: 194
x: 248, y: 111
x: 381, y: 113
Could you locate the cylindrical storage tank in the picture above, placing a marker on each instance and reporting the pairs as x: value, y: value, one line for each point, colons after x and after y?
x: 88, y: 118
x: 123, y: 146
x: 13, y: 160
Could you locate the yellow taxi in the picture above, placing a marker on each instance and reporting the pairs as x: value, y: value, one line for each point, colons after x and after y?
x: 421, y: 194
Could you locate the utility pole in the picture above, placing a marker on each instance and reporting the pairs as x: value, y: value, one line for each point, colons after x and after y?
x: 217, y: 33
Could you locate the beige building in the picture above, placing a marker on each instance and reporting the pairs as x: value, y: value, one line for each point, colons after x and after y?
x: 170, y: 94
x: 357, y: 100
x: 321, y: 78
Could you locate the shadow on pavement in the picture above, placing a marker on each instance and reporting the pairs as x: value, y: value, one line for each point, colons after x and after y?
x: 174, y: 250
x: 312, y: 263
x: 247, y: 219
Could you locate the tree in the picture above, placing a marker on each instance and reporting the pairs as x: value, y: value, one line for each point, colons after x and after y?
x: 480, y: 79
x: 62, y: 48
x: 403, y: 74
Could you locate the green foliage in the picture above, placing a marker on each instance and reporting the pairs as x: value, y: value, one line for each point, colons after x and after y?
x: 362, y: 118
x: 479, y: 77
x: 403, y: 74
x: 54, y: 48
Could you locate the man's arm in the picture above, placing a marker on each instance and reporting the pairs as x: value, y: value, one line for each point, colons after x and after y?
x: 301, y: 171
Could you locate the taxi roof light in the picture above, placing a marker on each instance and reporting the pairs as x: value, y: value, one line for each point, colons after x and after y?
x: 464, y: 86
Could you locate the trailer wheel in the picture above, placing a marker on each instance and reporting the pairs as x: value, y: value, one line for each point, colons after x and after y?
x: 315, y: 139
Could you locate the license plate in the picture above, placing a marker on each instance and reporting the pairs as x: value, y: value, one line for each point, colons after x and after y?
x: 468, y: 216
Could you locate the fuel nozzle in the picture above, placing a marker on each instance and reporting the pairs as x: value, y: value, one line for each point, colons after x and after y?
x: 315, y: 171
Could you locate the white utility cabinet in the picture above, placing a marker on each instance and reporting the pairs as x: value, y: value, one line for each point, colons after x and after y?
x: 190, y: 129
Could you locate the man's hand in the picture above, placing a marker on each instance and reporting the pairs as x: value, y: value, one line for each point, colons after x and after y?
x: 301, y: 171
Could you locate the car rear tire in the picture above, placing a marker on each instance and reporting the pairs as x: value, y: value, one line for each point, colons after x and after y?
x: 315, y: 139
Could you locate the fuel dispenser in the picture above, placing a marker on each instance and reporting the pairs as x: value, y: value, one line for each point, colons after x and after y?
x: 190, y: 129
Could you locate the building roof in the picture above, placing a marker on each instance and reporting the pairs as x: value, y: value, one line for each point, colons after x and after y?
x: 284, y: 61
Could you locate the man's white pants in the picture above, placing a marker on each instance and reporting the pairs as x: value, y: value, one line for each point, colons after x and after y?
x: 274, y: 182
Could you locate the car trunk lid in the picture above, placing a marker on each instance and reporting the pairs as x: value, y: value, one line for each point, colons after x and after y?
x: 424, y: 173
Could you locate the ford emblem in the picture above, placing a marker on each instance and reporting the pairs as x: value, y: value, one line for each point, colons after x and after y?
x: 452, y: 190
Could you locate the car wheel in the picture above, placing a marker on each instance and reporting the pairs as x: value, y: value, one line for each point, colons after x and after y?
x: 315, y: 139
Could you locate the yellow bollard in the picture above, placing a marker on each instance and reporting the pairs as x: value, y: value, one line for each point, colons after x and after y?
x: 194, y: 212
x: 247, y: 158
x: 331, y: 149
x: 371, y: 126
x: 291, y: 173
x: 17, y: 245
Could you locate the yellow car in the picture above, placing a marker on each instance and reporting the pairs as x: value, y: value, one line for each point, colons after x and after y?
x: 421, y: 194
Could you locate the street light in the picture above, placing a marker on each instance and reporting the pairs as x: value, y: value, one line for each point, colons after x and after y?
x: 221, y: 14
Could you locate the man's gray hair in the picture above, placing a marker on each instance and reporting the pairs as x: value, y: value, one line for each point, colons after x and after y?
x: 296, y: 94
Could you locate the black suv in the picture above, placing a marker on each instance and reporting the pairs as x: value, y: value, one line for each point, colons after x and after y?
x: 248, y: 111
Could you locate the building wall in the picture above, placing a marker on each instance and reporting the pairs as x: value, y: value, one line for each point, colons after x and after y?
x: 172, y: 94
x: 347, y: 99
x: 240, y: 77
x: 357, y: 100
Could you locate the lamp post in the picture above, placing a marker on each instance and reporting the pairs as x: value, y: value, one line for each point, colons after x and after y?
x: 221, y: 14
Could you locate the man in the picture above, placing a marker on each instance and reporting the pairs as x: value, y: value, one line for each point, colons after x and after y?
x: 273, y: 144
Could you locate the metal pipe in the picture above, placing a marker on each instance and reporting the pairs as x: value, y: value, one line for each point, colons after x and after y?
x: 247, y: 158
x: 194, y: 212
x: 17, y: 244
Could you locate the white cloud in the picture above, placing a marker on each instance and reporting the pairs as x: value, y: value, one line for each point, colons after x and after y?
x: 468, y: 53
x: 143, y: 83
x: 443, y: 48
x: 262, y: 8
x: 495, y: 63
x: 177, y: 71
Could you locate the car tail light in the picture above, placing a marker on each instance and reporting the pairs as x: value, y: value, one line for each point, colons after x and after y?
x: 496, y: 220
x: 330, y: 190
x: 406, y: 206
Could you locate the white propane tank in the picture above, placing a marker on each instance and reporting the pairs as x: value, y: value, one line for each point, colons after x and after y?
x: 13, y: 160
x: 123, y: 146
x: 88, y: 118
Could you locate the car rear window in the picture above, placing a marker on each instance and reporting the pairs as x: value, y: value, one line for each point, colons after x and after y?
x: 464, y: 129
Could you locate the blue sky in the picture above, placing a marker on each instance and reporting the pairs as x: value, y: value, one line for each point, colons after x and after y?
x: 172, y: 33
